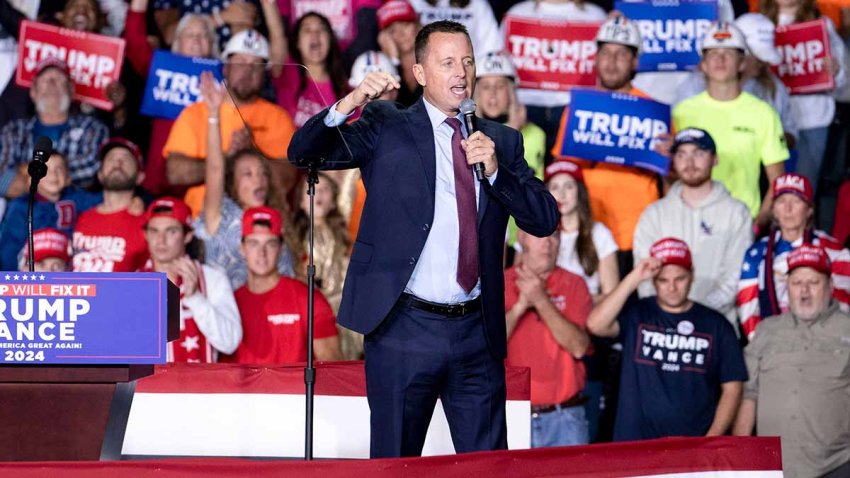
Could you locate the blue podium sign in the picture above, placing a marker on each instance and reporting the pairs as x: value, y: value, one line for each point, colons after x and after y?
x: 83, y: 318
x: 616, y: 128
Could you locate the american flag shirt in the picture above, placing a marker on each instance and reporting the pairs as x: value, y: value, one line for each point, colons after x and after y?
x: 753, y: 276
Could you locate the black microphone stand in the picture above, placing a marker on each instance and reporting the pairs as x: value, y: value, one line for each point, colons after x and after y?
x: 37, y: 170
x: 309, y: 370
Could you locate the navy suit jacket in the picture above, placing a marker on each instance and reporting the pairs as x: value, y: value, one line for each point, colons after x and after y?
x: 394, y: 149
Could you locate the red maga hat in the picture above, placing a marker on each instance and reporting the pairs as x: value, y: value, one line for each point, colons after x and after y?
x: 169, y: 207
x: 262, y: 216
x: 563, y: 167
x: 808, y: 255
x: 672, y: 251
x: 794, y: 184
x: 395, y: 11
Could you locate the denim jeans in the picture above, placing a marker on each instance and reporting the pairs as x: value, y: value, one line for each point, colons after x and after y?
x: 567, y: 426
x: 811, y: 146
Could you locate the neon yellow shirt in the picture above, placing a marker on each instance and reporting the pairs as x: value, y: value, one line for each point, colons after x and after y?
x: 748, y: 134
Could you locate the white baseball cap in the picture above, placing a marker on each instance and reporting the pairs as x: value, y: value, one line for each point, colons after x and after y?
x: 723, y: 35
x: 249, y: 42
x: 621, y: 31
x: 759, y: 34
x: 367, y: 63
x: 496, y: 64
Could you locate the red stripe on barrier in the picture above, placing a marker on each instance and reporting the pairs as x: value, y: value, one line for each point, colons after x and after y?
x: 336, y: 378
x: 654, y: 457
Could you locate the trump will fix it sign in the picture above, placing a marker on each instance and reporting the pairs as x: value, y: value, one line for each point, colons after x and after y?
x: 93, y: 60
x: 805, y: 57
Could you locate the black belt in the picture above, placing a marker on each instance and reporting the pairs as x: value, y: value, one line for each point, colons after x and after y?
x: 574, y: 401
x: 449, y: 310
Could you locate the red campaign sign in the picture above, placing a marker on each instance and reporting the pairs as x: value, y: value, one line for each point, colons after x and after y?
x: 805, y: 53
x: 94, y: 60
x: 552, y: 55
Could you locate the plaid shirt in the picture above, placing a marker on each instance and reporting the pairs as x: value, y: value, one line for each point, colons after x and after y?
x: 79, y: 144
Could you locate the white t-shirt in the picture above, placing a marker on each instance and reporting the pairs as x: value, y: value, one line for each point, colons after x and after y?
x: 603, y: 240
x: 530, y: 10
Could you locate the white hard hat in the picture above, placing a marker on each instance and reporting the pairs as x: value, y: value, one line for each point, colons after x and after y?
x: 367, y: 63
x: 723, y: 35
x: 760, y: 35
x: 249, y: 42
x: 496, y: 64
x: 621, y: 31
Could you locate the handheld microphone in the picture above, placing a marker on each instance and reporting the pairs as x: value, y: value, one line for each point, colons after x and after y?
x: 40, y: 154
x: 467, y: 109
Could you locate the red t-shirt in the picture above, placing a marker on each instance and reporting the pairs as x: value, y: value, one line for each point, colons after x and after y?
x: 274, y: 324
x: 112, y: 242
x: 555, y: 374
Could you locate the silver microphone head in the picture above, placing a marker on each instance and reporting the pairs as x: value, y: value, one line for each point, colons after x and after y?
x: 467, y: 106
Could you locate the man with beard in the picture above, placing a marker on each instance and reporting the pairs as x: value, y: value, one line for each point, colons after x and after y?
x: 109, y: 237
x: 76, y: 137
x: 245, y: 120
x: 799, y: 365
x: 701, y: 212
x: 618, y: 194
x: 748, y: 130
x: 683, y: 370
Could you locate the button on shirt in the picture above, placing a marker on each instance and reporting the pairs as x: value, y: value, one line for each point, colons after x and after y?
x: 435, y: 275
x: 800, y: 379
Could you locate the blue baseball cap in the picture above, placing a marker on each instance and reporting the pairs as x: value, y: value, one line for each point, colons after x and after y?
x: 698, y: 137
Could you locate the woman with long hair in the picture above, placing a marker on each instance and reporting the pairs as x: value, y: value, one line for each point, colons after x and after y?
x: 314, y: 76
x: 234, y: 184
x: 587, y: 247
x: 331, y: 246
x: 813, y: 113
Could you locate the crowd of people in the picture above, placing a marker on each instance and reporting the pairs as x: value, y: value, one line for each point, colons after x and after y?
x: 710, y: 301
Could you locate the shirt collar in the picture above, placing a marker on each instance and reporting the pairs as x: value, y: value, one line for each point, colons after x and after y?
x: 437, y: 117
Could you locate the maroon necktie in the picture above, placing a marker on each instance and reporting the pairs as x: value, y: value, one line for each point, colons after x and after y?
x: 467, y: 212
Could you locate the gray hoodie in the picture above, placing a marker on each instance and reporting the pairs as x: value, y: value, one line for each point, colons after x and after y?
x: 718, y: 233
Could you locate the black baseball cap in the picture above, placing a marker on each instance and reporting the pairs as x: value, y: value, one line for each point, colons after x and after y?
x: 698, y: 137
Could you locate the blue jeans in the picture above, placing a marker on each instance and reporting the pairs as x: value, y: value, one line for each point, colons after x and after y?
x: 811, y: 146
x: 564, y: 427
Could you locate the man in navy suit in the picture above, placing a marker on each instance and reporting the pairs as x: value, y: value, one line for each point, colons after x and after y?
x: 425, y: 282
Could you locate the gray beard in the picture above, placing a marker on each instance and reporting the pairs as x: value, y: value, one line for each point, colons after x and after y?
x: 64, y: 105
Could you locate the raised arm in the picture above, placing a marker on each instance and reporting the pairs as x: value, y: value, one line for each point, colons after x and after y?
x: 278, y: 47
x: 603, y: 318
x: 213, y: 95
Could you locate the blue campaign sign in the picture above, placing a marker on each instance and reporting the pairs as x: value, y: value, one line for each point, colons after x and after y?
x: 616, y: 128
x: 83, y: 318
x: 174, y: 83
x: 671, y: 31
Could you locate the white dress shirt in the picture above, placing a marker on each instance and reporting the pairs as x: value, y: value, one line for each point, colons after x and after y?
x: 435, y: 277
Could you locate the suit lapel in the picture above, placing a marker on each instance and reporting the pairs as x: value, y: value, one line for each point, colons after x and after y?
x: 422, y: 135
x: 483, y: 194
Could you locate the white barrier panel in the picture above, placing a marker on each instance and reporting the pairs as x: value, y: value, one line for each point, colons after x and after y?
x: 252, y: 412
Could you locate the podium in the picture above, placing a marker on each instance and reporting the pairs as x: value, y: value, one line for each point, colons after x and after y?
x: 76, y: 405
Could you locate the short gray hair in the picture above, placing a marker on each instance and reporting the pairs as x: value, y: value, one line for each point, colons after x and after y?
x: 210, y: 28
